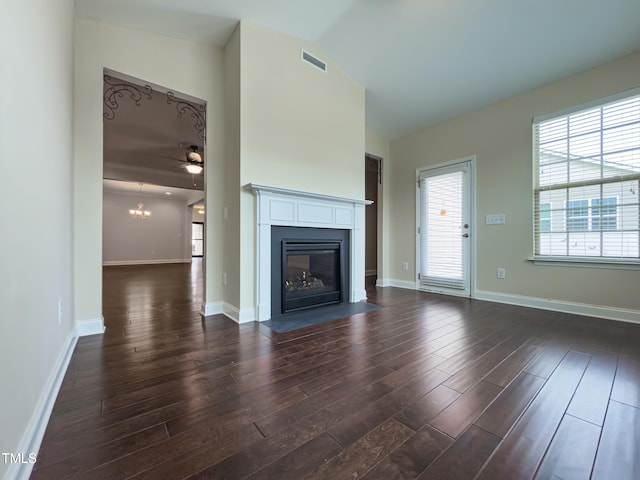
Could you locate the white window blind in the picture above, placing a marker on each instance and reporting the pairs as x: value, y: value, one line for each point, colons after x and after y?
x: 587, y: 182
x: 441, y: 212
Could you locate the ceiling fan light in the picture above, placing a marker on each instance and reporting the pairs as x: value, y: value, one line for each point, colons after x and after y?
x: 194, y: 157
x: 195, y: 169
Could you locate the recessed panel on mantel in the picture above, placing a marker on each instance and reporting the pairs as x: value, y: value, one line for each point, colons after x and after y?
x: 344, y: 216
x: 309, y: 213
x: 282, y: 211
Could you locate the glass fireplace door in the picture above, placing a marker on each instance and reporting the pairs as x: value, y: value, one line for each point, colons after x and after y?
x: 311, y: 275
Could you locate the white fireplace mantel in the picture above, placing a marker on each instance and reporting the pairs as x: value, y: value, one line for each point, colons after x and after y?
x: 294, y: 208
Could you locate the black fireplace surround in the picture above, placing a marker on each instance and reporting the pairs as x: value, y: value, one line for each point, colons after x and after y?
x: 309, y: 268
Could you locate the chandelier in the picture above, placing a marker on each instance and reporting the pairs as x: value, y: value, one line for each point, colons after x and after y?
x: 140, y: 212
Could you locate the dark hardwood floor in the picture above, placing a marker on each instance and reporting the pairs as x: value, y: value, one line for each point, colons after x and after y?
x: 428, y: 387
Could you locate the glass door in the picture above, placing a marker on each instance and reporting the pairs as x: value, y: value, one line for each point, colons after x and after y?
x: 197, y: 239
x: 444, y: 233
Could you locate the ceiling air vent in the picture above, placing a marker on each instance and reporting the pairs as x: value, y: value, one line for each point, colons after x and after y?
x: 316, y: 62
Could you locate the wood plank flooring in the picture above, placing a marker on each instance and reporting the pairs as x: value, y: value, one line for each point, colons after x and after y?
x: 425, y: 387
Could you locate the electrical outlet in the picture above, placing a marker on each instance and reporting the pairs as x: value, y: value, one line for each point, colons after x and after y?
x: 498, y: 219
x: 224, y: 278
x: 225, y: 212
x: 500, y: 273
x: 405, y: 266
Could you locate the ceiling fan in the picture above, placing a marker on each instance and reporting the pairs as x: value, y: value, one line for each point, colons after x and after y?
x: 194, y: 163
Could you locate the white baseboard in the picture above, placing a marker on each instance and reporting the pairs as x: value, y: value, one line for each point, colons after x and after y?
x: 93, y: 326
x: 610, y: 313
x: 599, y: 311
x: 32, y: 437
x: 239, y: 316
x: 389, y: 282
x: 247, y: 315
x: 212, y: 308
x: 229, y: 311
x: 359, y: 295
x: 145, y: 262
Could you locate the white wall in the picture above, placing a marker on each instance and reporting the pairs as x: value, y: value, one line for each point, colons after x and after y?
x: 159, y: 60
x: 36, y: 215
x: 165, y: 237
x: 500, y: 136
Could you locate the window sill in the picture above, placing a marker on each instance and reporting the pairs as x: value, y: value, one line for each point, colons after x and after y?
x: 587, y: 262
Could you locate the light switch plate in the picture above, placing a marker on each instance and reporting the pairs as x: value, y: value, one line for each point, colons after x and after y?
x: 497, y: 219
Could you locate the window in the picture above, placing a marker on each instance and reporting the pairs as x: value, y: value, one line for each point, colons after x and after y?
x: 545, y: 217
x: 604, y: 214
x: 591, y: 214
x: 587, y: 180
x: 577, y: 215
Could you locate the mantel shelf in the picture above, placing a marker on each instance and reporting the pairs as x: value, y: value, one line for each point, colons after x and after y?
x: 256, y: 187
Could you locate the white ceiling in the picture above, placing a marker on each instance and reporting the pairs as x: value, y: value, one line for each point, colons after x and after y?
x: 421, y: 61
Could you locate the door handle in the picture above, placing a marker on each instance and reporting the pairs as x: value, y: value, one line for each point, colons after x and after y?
x: 465, y: 235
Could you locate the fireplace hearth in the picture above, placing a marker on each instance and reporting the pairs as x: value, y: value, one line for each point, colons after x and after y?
x: 309, y: 268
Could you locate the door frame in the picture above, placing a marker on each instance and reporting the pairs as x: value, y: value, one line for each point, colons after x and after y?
x: 202, y: 239
x: 472, y: 225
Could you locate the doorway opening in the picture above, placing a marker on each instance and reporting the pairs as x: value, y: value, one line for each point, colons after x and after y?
x: 372, y: 183
x: 153, y: 155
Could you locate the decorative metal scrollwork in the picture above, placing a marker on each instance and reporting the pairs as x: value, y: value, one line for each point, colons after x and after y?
x: 198, y: 113
x: 115, y: 91
x: 117, y: 88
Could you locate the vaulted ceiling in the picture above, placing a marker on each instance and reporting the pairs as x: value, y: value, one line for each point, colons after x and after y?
x: 420, y: 61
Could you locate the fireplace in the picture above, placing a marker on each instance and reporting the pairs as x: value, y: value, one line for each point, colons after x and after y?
x: 309, y: 268
x: 278, y: 208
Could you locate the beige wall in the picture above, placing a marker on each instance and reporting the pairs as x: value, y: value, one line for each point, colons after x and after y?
x: 300, y: 128
x: 162, y: 61
x: 164, y: 237
x: 500, y: 136
x: 231, y: 265
x: 196, y: 216
x: 36, y: 218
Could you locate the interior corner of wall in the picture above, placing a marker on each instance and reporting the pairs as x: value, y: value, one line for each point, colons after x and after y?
x: 92, y: 326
